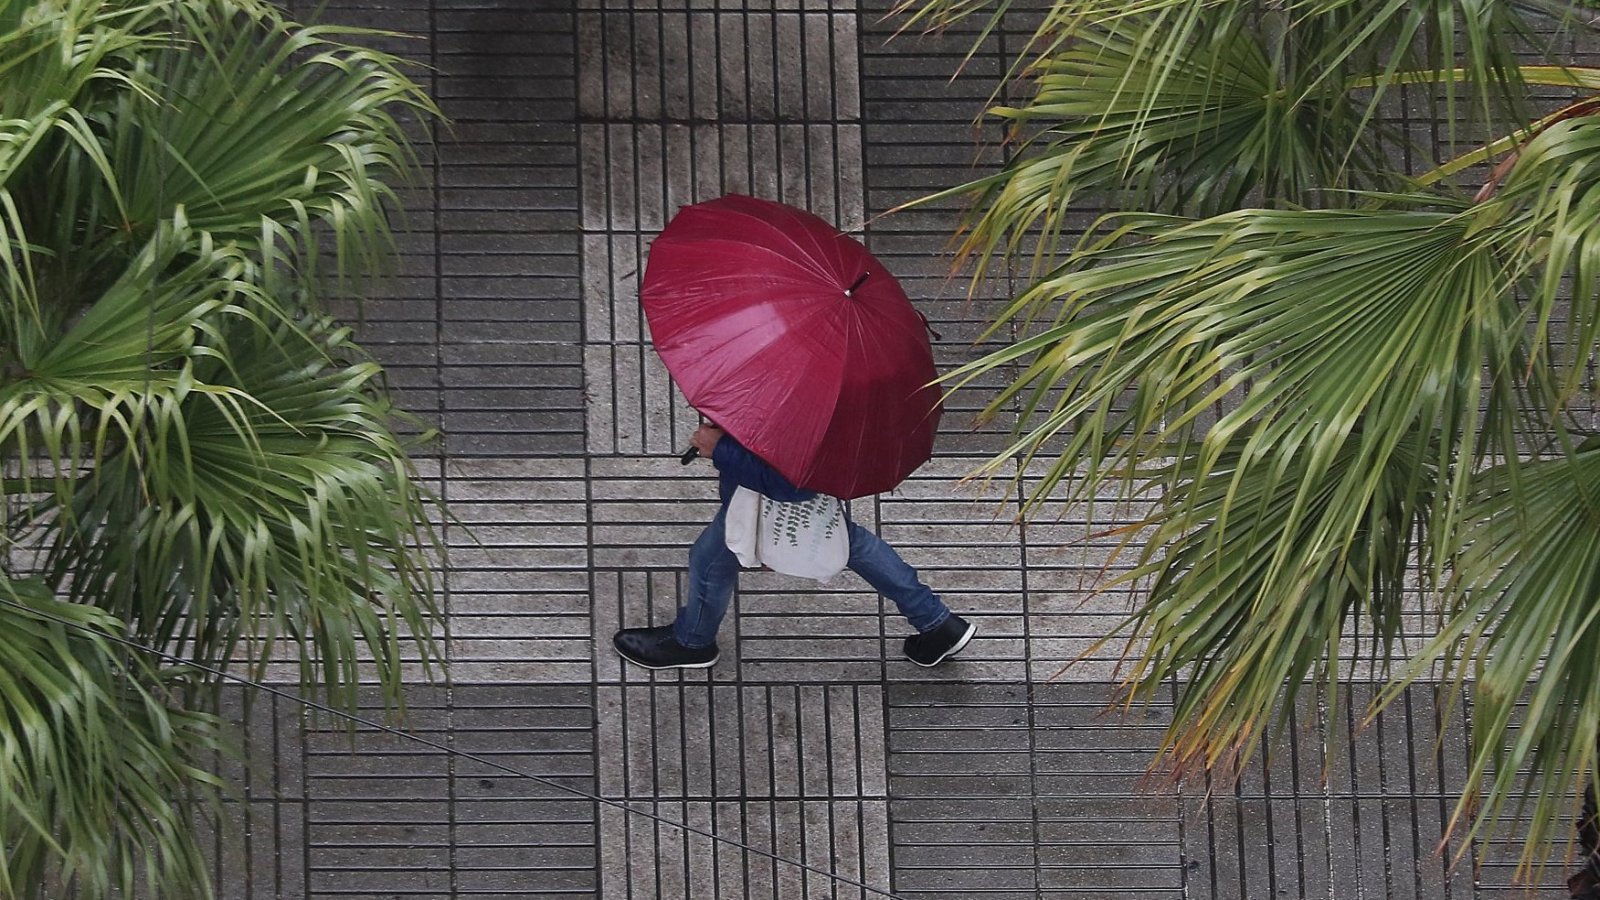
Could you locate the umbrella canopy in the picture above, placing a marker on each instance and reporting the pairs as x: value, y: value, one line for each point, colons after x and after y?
x: 796, y: 341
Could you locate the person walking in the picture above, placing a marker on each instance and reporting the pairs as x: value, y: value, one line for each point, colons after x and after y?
x: 690, y: 642
x: 815, y: 372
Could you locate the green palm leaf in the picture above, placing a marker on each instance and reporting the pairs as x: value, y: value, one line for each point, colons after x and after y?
x: 1203, y: 136
x: 1523, y: 625
x: 1333, y: 320
x: 95, y: 759
x: 1197, y: 107
x: 1257, y: 586
x: 1326, y: 38
x: 1349, y: 334
x: 1318, y: 404
x: 1548, y: 211
x: 202, y: 459
x: 263, y: 129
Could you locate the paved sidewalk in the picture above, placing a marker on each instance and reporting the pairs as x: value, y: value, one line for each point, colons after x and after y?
x: 579, y: 127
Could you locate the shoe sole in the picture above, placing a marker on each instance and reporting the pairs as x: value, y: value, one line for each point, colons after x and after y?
x: 644, y: 665
x: 955, y: 648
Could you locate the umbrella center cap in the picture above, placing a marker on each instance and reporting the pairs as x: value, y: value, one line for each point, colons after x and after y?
x: 850, y: 291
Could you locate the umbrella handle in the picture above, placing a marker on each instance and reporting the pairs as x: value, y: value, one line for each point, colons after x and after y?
x: 688, y: 456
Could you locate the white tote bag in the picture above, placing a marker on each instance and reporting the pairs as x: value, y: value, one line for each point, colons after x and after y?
x: 808, y: 538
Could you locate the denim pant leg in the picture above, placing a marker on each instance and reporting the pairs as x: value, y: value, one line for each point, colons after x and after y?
x: 713, y: 574
x: 882, y: 567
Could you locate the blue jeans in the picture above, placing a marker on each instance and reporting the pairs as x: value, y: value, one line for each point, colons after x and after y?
x: 714, y: 572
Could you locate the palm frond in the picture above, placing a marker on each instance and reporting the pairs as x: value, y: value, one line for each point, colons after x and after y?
x: 218, y: 470
x: 1203, y: 136
x: 1327, y: 317
x: 1258, y: 580
x: 95, y: 759
x: 1524, y: 627
x: 1548, y: 215
x: 204, y: 460
x: 1198, y: 107
x: 1317, y: 402
x: 171, y: 343
x: 265, y: 123
x: 1298, y: 391
x: 1328, y: 40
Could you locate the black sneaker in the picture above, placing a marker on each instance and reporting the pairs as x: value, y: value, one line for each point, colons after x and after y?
x: 656, y: 648
x: 933, y: 647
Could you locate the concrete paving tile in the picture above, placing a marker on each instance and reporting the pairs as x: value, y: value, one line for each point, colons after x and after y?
x: 810, y: 618
x: 613, y: 851
x: 788, y: 840
x: 1016, y: 882
x: 524, y: 672
x: 761, y: 671
x: 407, y: 879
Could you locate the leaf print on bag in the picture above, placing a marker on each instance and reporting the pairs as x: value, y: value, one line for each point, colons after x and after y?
x: 803, y: 538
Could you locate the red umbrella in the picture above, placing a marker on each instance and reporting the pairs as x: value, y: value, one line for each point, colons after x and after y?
x: 796, y: 341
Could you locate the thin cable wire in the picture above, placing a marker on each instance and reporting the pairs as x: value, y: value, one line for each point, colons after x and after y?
x: 312, y: 704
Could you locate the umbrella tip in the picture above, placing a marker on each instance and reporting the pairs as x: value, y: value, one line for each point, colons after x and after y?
x: 851, y: 289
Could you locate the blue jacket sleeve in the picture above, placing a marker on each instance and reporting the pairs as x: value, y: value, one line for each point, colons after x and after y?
x: 748, y: 470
